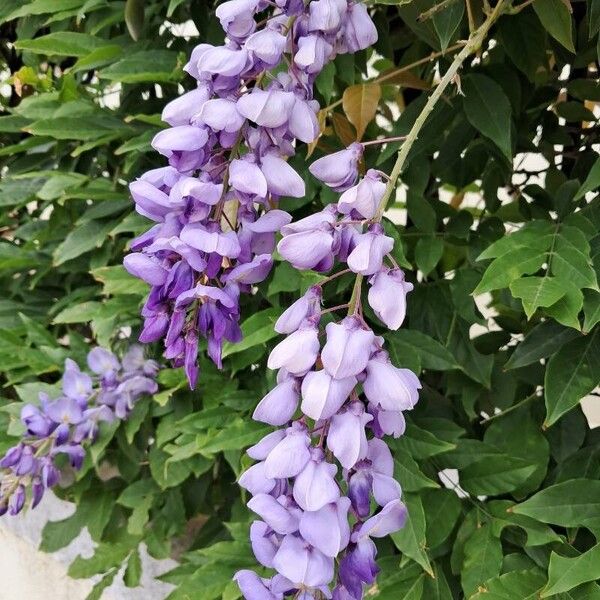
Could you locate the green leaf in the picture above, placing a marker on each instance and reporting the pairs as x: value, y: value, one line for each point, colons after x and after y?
x: 421, y: 444
x: 410, y: 540
x: 133, y: 571
x: 240, y: 434
x: 256, y: 330
x: 78, y: 128
x: 556, y: 19
x: 93, y: 511
x: 106, y: 555
x: 442, y: 509
x: 408, y: 472
x: 482, y: 559
x: 40, y: 7
x: 566, y: 573
x: 80, y: 240
x: 541, y: 342
x: 447, y: 21
x: 537, y: 291
x: 510, y: 266
x: 523, y: 585
x: 572, y: 373
x: 173, y: 4
x: 572, y: 503
x: 431, y: 353
x: 488, y: 110
x: 591, y: 309
x: 78, y: 313
x: 496, y: 475
x: 64, y: 43
x: 428, y: 252
x: 592, y: 181
x: 593, y: 18
x: 134, y: 18
x: 156, y: 66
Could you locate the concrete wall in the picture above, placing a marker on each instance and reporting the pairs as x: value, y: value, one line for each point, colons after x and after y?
x: 29, y: 574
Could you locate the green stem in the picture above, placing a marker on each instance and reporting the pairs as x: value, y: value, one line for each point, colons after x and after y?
x: 473, y: 44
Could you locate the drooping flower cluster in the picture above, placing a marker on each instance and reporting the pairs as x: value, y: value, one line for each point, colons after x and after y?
x: 314, y: 513
x: 227, y: 150
x: 60, y: 428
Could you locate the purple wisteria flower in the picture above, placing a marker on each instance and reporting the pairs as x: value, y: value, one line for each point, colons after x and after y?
x: 316, y: 522
x: 63, y: 425
x: 227, y: 148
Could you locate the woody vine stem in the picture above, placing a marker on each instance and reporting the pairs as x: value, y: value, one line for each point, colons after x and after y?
x: 473, y: 44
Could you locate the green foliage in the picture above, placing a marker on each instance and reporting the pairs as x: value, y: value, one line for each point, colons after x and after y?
x: 85, y: 85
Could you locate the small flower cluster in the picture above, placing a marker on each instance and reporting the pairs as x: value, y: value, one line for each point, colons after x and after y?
x: 350, y: 396
x: 62, y: 426
x: 227, y: 148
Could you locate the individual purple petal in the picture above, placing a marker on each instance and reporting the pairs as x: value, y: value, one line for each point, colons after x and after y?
x: 290, y: 455
x: 381, y: 458
x: 309, y: 305
x: 222, y: 61
x: 276, y: 516
x: 270, y: 222
x: 246, y: 177
x: 314, y: 221
x: 298, y: 352
x: 302, y: 564
x: 17, y: 501
x: 347, y: 349
x: 327, y: 529
x: 266, y: 45
x: 346, y: 437
x: 303, y: 123
x: 183, y: 138
x: 205, y: 192
x: 253, y: 587
x: 360, y: 31
x: 149, y: 201
x: 64, y: 410
x: 145, y: 267
x: 387, y: 296
x: 313, y: 53
x: 37, y: 491
x: 221, y: 115
x: 279, y: 405
x: 305, y: 250
x: 75, y: 384
x: 205, y: 293
x: 389, y: 387
x: 102, y: 361
x: 359, y: 491
x: 12, y: 457
x: 390, y: 519
x: 367, y: 256
x: 237, y: 17
x: 255, y: 481
x: 267, y: 108
x: 340, y: 169
x: 364, y: 198
x: 182, y: 110
x: 261, y: 449
x: 36, y: 423
x: 322, y: 395
x: 250, y: 273
x: 282, y: 179
x: 385, y: 489
x: 198, y: 236
x: 191, y: 66
x: 315, y: 486
x: 265, y: 543
x: 387, y: 422
x: 326, y: 15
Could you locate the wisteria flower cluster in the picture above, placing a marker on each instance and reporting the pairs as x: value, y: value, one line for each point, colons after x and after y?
x: 215, y: 205
x: 314, y: 513
x: 60, y: 428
